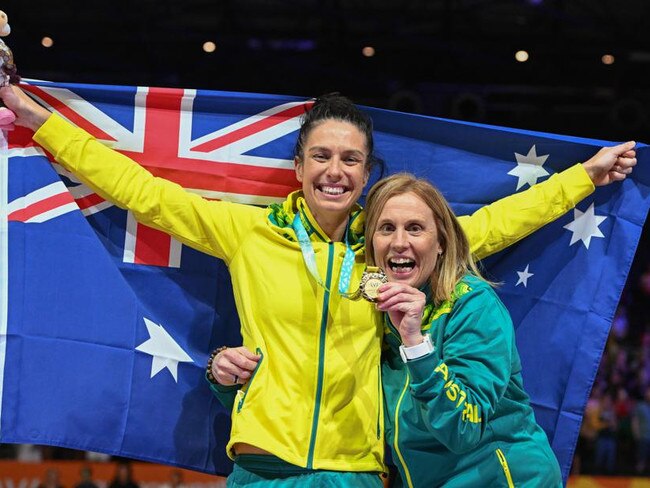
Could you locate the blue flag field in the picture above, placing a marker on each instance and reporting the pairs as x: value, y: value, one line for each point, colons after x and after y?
x: 106, y: 325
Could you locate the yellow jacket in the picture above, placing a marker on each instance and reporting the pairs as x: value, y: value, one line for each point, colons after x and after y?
x: 315, y: 397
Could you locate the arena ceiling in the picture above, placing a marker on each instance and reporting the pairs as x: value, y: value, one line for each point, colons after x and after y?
x: 446, y: 57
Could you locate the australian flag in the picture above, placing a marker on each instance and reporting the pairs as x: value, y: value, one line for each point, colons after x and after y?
x: 106, y: 325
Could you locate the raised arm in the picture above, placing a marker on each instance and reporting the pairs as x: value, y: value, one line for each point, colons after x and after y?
x: 212, y: 227
x: 504, y: 222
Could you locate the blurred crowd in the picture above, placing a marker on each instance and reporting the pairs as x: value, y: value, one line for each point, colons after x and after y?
x: 615, y: 433
x: 32, y: 453
x: 123, y: 476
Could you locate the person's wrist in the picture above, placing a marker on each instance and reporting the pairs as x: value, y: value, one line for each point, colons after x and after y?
x: 208, y: 373
x: 417, y: 351
x: 591, y: 172
x: 413, y: 339
x: 37, y: 118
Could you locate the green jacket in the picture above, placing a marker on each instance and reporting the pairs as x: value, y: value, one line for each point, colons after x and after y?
x: 459, y: 416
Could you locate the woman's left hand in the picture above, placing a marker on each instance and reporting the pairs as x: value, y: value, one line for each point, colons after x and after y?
x: 404, y: 305
x: 611, y: 163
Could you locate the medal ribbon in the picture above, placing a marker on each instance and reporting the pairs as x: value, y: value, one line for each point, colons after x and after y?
x: 346, y: 271
x: 309, y: 257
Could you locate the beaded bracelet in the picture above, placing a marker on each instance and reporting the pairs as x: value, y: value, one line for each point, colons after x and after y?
x: 208, y: 372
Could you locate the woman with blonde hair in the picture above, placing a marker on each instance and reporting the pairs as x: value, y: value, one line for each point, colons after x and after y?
x: 456, y: 411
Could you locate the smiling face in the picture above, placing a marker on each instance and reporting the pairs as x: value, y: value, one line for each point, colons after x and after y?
x: 405, y: 240
x: 332, y: 169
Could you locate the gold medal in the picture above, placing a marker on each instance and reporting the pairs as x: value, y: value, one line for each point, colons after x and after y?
x: 373, y: 277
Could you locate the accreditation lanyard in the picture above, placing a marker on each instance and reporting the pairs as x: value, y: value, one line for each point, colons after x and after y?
x: 310, y: 258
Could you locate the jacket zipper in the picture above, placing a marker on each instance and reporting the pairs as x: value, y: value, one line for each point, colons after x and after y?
x: 258, y: 351
x: 504, y: 465
x: 380, y: 402
x: 400, y: 457
x: 321, y: 358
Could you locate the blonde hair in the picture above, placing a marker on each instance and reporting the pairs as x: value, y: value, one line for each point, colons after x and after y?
x: 456, y: 259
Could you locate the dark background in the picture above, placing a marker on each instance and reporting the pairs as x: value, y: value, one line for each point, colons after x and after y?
x: 449, y: 58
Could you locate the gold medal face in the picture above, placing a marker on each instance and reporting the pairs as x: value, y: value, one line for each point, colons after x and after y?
x: 371, y: 280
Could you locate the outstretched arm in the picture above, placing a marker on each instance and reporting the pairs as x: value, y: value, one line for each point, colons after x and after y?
x: 212, y: 227
x: 28, y: 113
x: 504, y: 222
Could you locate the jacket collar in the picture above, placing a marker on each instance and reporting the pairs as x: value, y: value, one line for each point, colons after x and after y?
x: 281, y: 215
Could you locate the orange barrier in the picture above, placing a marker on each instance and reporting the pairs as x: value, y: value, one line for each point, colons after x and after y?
x: 15, y: 474
x: 607, y: 482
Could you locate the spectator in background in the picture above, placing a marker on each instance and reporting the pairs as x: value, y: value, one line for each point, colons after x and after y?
x: 644, y: 371
x: 641, y: 430
x: 123, y: 476
x: 623, y: 407
x: 55, y: 453
x: 584, y: 455
x: 620, y: 324
x: 7, y: 451
x: 606, y: 438
x: 29, y: 453
x: 175, y: 480
x: 86, y: 478
x: 618, y: 371
x: 100, y: 457
x: 51, y: 479
x: 644, y: 281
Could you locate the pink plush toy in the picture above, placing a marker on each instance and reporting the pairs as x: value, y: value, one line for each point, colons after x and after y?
x: 8, y: 71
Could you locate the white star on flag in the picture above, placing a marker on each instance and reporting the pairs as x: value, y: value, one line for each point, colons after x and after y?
x: 523, y: 277
x: 165, y: 352
x: 585, y: 226
x: 529, y: 168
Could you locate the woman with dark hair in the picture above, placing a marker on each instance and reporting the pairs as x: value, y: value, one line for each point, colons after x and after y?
x: 456, y: 410
x: 310, y: 408
x: 123, y: 476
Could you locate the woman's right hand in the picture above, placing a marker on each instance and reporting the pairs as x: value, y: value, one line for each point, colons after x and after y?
x: 28, y: 113
x: 405, y: 306
x: 234, y: 365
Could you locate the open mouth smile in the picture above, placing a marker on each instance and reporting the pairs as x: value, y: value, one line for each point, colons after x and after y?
x: 401, y: 265
x: 332, y: 190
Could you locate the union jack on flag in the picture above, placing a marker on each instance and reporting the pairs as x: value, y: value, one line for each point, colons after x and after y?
x: 106, y: 325
x: 165, y: 305
x: 172, y: 140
